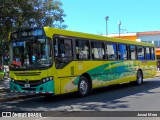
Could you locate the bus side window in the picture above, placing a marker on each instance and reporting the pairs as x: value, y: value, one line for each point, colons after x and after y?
x: 63, y: 48
x: 97, y: 50
x: 140, y: 53
x: 63, y: 52
x: 82, y: 49
x: 148, y: 54
x: 111, y: 51
x: 68, y: 48
x: 122, y: 52
x: 132, y: 51
x: 152, y: 54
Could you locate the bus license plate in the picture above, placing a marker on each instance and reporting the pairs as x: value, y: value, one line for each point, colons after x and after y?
x: 27, y: 85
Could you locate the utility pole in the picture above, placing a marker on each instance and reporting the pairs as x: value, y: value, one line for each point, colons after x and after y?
x: 106, y: 18
x: 119, y: 27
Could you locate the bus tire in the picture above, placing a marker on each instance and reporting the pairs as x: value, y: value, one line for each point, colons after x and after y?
x: 139, y: 78
x: 83, y: 87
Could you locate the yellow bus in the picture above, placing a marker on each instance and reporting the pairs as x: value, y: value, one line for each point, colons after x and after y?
x: 53, y: 61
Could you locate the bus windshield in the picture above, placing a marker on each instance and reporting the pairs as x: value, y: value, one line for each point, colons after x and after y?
x: 31, y: 54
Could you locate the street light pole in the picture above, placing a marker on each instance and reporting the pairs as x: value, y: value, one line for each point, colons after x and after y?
x: 106, y: 18
x: 119, y: 26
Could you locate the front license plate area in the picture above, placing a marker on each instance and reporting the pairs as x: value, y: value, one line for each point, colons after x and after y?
x: 27, y: 85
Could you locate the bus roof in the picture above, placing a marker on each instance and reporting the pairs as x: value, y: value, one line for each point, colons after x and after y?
x: 50, y: 31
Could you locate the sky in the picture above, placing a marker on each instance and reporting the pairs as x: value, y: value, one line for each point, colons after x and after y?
x: 88, y: 16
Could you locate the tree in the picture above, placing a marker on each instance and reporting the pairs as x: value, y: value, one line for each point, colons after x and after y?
x: 20, y: 14
x: 52, y: 14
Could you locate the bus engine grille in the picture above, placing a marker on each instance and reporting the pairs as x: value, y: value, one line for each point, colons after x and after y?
x: 27, y: 73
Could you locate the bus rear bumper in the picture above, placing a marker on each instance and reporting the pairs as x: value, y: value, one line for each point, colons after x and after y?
x: 45, y: 88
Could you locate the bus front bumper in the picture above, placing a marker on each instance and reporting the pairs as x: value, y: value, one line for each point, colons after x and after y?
x: 45, y: 88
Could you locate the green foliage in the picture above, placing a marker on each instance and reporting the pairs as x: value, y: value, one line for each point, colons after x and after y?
x: 20, y: 14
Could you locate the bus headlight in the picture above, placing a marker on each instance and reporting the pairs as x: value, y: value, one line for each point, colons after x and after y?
x: 44, y: 80
x: 47, y: 79
x: 51, y: 78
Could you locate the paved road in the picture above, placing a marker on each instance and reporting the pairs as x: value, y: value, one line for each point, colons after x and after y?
x: 115, y: 98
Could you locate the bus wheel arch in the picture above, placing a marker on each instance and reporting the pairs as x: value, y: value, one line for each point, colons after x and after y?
x: 84, y: 85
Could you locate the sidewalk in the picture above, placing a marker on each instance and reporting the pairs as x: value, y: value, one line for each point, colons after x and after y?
x: 6, y: 95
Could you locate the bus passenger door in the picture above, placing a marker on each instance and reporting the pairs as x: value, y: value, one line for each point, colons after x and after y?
x: 64, y: 64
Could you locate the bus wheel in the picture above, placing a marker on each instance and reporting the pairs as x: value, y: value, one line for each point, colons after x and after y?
x: 139, y: 80
x: 83, y: 87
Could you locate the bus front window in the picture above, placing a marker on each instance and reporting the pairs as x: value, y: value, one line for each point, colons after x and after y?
x: 31, y: 54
